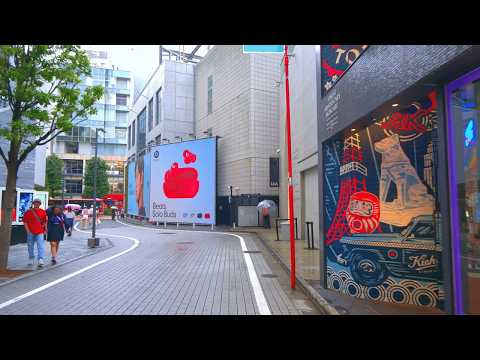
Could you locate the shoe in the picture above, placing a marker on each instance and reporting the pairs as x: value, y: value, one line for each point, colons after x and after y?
x: 40, y: 263
x: 30, y: 262
x: 54, y: 262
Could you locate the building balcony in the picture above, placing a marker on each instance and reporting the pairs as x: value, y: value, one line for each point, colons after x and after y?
x: 122, y: 108
x: 123, y: 91
x: 122, y: 74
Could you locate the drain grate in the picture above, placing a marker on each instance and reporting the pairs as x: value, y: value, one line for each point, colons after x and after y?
x: 270, y: 276
x: 185, y: 242
x: 252, y: 252
x: 166, y: 233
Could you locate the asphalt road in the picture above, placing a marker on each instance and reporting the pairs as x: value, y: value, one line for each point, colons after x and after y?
x: 160, y: 271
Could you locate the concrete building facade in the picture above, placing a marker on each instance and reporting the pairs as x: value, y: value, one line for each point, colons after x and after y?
x: 164, y: 109
x: 237, y: 100
x: 303, y: 112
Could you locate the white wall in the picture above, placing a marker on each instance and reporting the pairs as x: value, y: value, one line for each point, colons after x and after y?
x: 303, y: 108
x: 245, y: 115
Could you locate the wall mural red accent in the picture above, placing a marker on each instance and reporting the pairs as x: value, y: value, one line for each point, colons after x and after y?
x: 182, y: 183
x: 363, y: 213
x: 380, y: 216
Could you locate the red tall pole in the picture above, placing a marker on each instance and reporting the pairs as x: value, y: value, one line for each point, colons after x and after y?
x: 291, y: 215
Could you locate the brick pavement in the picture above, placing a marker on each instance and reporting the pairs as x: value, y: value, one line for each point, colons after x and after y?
x: 181, y: 273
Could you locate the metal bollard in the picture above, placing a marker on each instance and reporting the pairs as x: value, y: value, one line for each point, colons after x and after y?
x: 177, y: 224
x: 194, y: 225
x: 212, y: 227
x: 164, y: 224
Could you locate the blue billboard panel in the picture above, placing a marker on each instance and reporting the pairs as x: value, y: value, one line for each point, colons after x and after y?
x: 146, y: 184
x: 183, y: 182
x: 132, y: 201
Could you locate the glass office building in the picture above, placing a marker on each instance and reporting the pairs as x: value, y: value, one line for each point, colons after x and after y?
x: 78, y: 145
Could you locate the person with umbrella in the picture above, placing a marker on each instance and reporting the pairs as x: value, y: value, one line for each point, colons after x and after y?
x: 265, y: 206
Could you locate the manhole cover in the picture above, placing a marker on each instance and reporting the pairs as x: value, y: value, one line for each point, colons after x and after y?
x: 271, y: 276
x: 252, y: 252
x: 185, y: 242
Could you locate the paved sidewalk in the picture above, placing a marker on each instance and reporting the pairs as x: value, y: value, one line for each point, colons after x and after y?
x: 71, y: 248
x: 308, y: 269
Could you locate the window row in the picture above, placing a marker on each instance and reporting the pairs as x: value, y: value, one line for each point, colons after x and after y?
x: 145, y: 122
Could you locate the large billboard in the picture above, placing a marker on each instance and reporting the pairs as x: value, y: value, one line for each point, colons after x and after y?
x: 139, y: 186
x: 183, y: 181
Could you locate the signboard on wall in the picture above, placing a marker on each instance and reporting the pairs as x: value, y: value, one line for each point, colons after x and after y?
x: 274, y: 172
x: 263, y: 49
x: 335, y: 61
x: 139, y: 186
x: 183, y: 182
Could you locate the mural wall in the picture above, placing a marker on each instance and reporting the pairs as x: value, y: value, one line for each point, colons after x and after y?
x: 380, y: 211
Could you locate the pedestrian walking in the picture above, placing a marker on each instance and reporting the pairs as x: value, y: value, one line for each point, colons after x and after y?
x: 69, y: 221
x: 114, y: 213
x: 35, y: 222
x: 266, y: 217
x: 84, y: 217
x: 56, y: 231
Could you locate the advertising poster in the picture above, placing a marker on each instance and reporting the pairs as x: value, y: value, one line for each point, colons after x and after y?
x: 335, y: 61
x: 146, y: 184
x: 380, y: 218
x: 183, y: 182
x: 132, y: 202
x: 25, y: 199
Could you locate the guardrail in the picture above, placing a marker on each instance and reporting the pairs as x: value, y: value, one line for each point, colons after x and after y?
x: 310, y: 232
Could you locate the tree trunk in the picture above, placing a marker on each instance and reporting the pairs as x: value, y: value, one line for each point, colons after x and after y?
x: 8, y: 204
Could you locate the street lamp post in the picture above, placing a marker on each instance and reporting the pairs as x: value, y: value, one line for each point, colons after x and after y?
x: 94, y: 241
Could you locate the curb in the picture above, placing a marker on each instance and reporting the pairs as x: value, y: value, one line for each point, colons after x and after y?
x: 304, y: 285
x: 32, y: 273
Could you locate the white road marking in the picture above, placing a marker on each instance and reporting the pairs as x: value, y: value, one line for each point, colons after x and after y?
x: 260, y: 299
x: 62, y: 279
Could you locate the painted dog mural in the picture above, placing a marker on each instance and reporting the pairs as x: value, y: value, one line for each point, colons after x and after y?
x: 380, y: 218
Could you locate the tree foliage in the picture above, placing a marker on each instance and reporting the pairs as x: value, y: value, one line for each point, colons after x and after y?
x: 54, y: 171
x: 41, y: 86
x: 103, y: 188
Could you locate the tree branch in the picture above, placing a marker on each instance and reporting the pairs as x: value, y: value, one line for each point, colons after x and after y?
x: 3, y: 156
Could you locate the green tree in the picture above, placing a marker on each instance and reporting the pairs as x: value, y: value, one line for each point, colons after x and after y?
x: 54, y: 171
x: 103, y: 188
x: 40, y: 85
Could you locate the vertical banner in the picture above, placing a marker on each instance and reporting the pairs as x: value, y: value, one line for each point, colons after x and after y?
x: 274, y: 172
x: 132, y: 199
x: 146, y: 184
x: 335, y: 60
x: 183, y: 182
x: 24, y: 201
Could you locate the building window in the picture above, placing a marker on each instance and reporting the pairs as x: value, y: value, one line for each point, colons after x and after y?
x: 133, y: 133
x: 120, y: 134
x: 210, y: 94
x: 122, y: 99
x: 122, y: 83
x: 463, y: 100
x: 73, y: 186
x: 142, y: 130
x: 158, y: 112
x: 71, y: 147
x: 73, y: 167
x: 150, y: 115
x: 121, y: 117
x: 129, y: 136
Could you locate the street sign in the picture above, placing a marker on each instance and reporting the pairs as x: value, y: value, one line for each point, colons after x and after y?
x: 263, y: 49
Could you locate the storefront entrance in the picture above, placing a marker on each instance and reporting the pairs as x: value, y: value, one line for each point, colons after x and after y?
x: 463, y: 106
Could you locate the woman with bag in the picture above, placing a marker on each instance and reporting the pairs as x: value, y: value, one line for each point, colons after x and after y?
x: 56, y: 231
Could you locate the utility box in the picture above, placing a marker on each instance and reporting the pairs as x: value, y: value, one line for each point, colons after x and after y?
x: 247, y: 216
x: 284, y: 230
